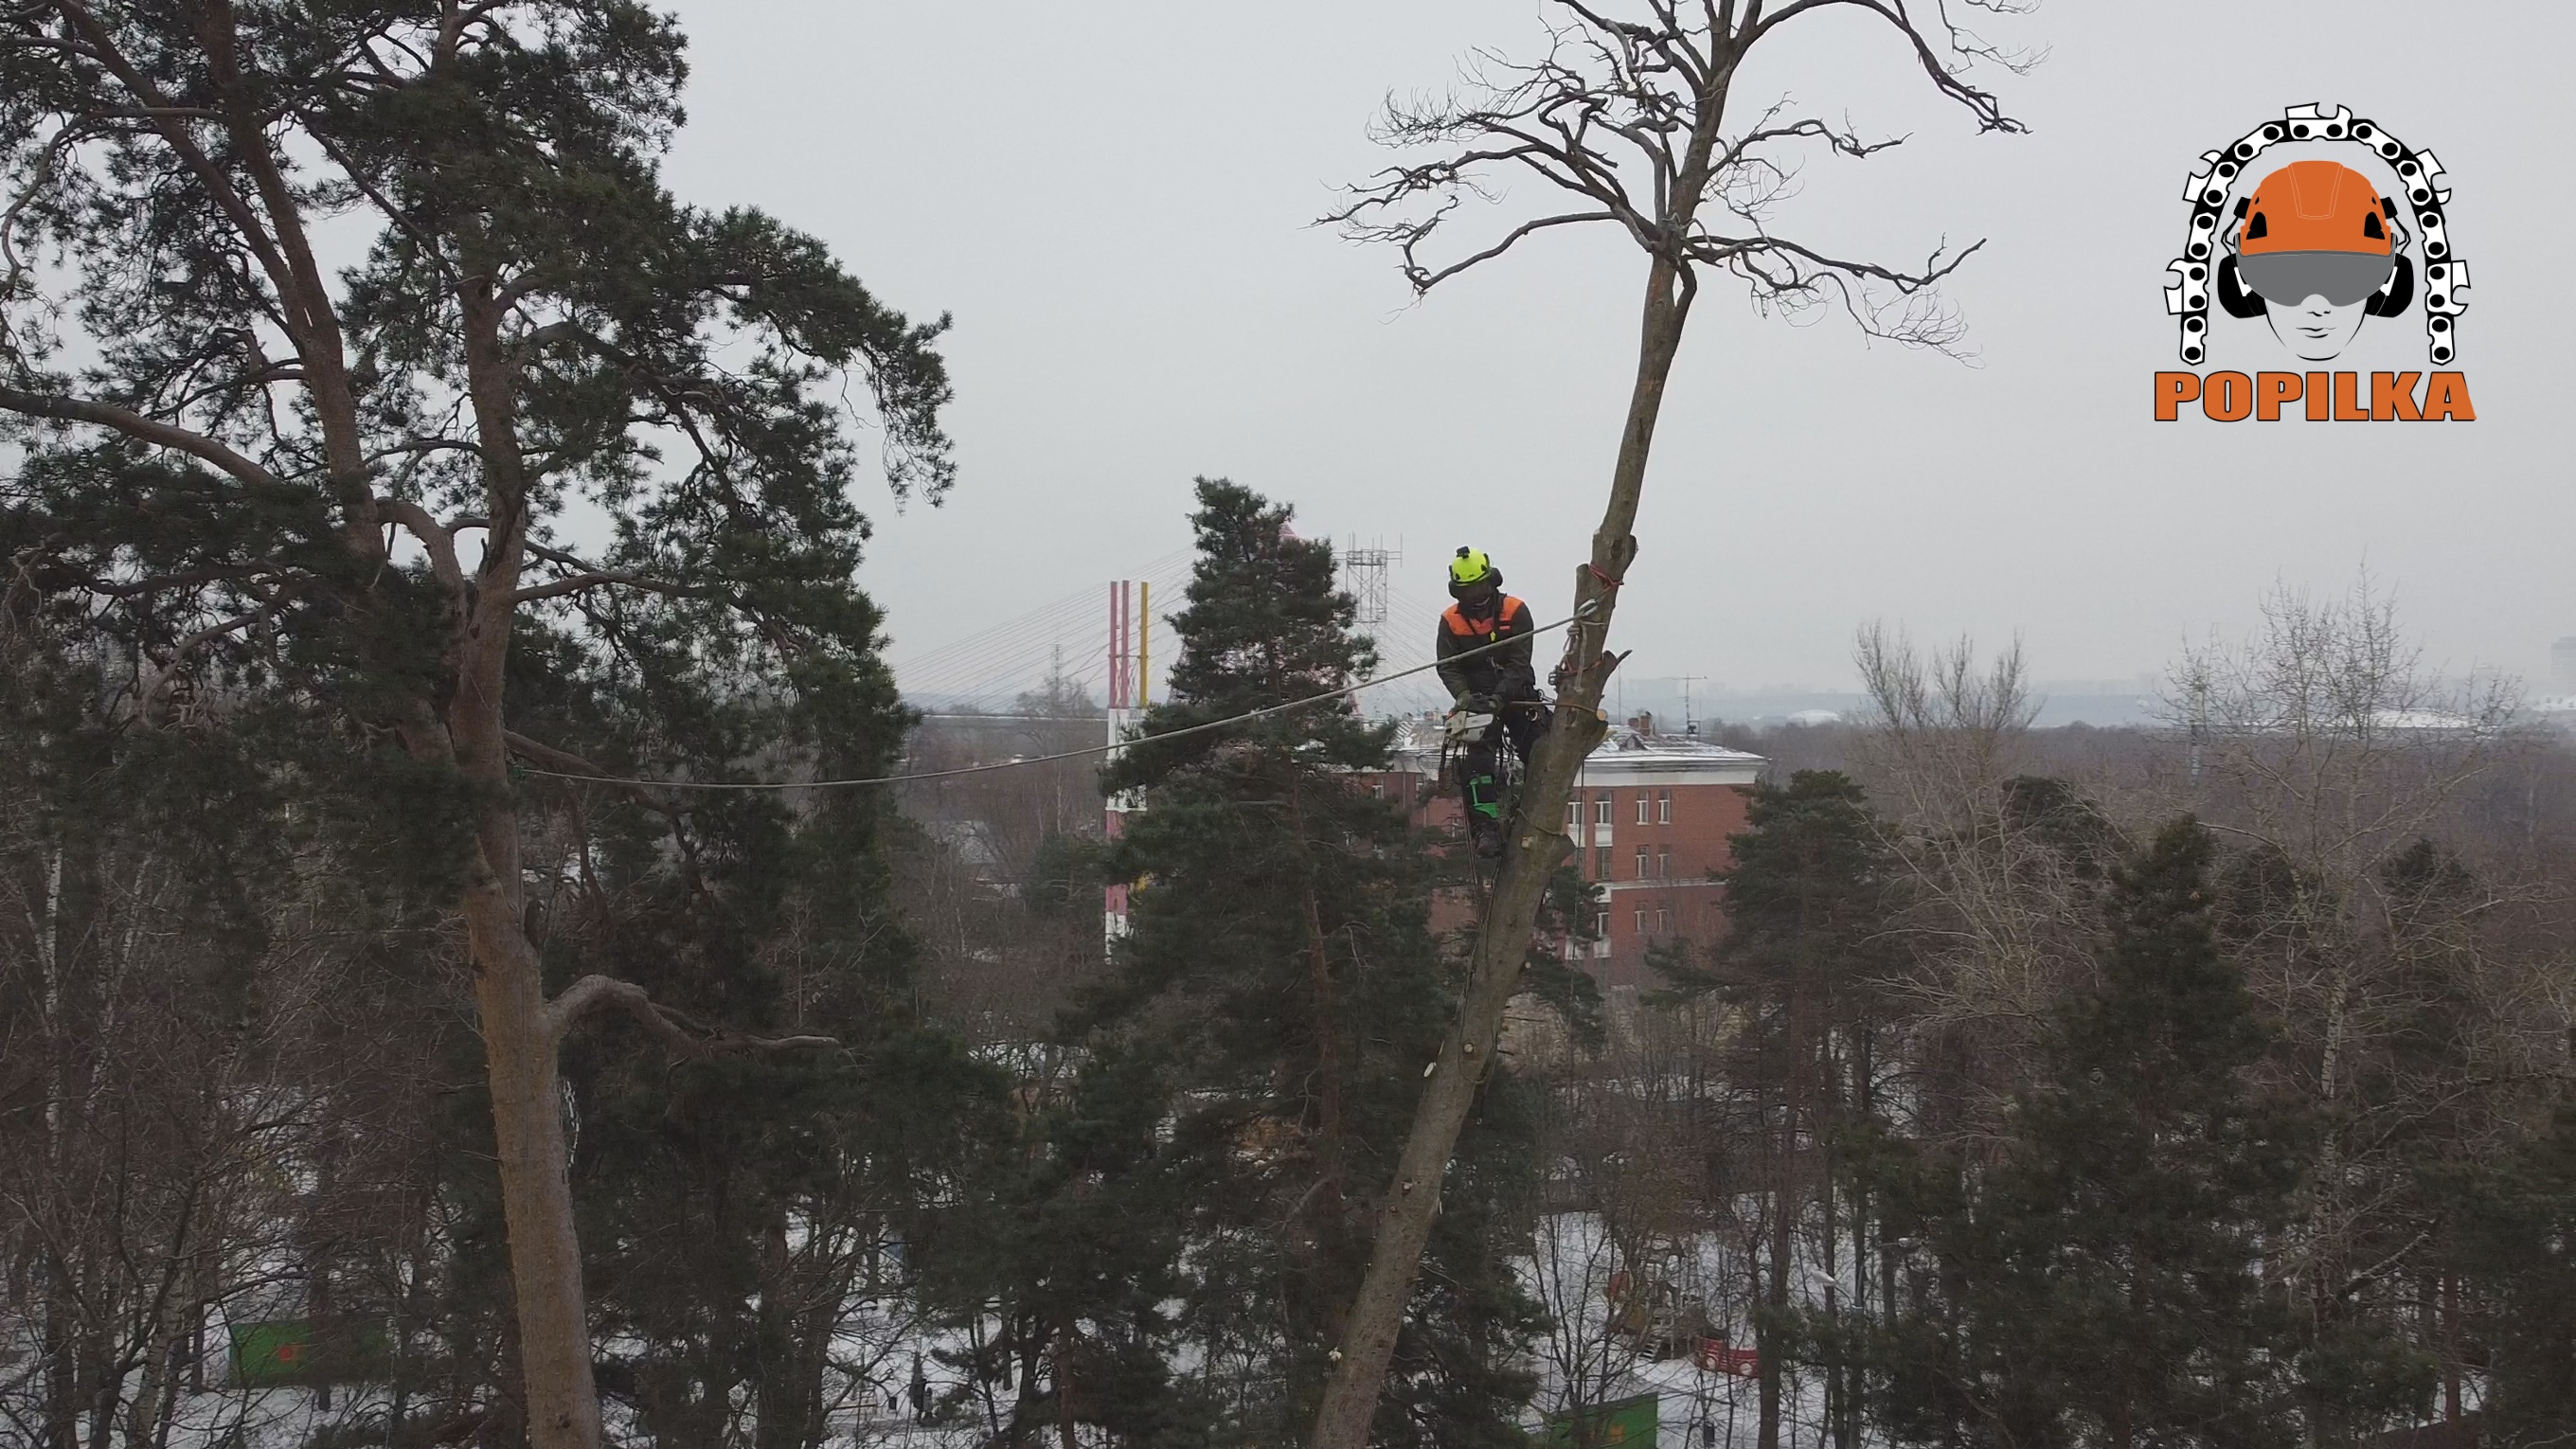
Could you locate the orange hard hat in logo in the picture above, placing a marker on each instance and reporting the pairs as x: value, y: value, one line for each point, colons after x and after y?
x: 2316, y: 228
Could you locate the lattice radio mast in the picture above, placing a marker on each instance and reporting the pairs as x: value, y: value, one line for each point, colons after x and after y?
x: 1364, y: 577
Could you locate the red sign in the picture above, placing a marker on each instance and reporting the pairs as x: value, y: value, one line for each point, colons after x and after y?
x: 1714, y: 1357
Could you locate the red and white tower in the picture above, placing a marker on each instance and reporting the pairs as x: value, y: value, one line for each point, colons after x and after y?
x: 1131, y: 644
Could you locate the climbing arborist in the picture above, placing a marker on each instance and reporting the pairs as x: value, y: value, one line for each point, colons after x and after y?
x: 1499, y: 686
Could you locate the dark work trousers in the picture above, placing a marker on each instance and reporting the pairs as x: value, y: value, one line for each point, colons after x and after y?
x: 1519, y: 721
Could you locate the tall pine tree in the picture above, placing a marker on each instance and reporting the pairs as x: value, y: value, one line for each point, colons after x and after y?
x: 1282, y: 963
x: 1807, y: 902
x: 368, y: 336
x: 2099, y: 1282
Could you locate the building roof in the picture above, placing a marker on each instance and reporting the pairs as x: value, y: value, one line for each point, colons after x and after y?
x: 1629, y: 756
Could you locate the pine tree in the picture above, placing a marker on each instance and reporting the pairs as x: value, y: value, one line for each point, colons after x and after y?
x: 1075, y: 1239
x: 243, y: 459
x: 2514, y: 1244
x: 2100, y: 1284
x: 1807, y: 904
x: 1282, y: 961
x: 730, y: 1200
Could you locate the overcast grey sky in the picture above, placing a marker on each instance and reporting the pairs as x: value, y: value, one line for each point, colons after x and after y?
x: 1113, y: 199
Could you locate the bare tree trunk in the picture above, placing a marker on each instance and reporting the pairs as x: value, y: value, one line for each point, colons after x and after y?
x: 1533, y: 849
x: 149, y: 1419
x: 2450, y: 1348
x: 1784, y: 1216
x: 1837, y: 1391
x: 1064, y: 1388
x: 1775, y: 1298
x: 145, y: 1419
x: 62, y: 1361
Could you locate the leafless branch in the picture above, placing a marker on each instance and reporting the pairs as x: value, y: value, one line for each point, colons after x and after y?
x: 1616, y: 101
x: 2367, y: 1276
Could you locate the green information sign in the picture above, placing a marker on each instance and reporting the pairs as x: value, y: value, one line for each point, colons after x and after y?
x: 288, y: 1351
x: 1627, y: 1423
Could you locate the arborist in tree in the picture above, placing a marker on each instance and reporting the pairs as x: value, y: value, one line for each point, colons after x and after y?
x: 1498, y: 687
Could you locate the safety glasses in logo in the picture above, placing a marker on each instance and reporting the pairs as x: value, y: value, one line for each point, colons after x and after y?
x: 2285, y: 279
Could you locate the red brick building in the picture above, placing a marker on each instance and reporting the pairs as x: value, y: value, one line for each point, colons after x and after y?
x: 1650, y: 817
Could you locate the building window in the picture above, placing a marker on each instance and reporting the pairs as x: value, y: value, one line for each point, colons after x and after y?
x: 1641, y: 920
x: 1664, y: 863
x: 1664, y: 807
x: 1601, y: 863
x: 1641, y: 807
x: 1663, y: 921
x: 1641, y: 862
x: 1573, y: 811
x: 1601, y: 809
x: 1601, y: 933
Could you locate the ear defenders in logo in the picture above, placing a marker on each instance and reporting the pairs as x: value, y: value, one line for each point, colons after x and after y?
x: 2315, y: 229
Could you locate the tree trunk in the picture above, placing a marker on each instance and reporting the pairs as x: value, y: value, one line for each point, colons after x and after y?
x: 149, y: 1422
x: 1064, y: 1387
x: 1533, y: 848
x: 62, y: 1340
x: 536, y: 1192
x: 793, y: 1334
x: 2450, y: 1354
x: 519, y: 1038
x: 1784, y: 1211
x: 1837, y: 1393
x: 1328, y: 1065
x: 144, y: 1420
x: 105, y: 1387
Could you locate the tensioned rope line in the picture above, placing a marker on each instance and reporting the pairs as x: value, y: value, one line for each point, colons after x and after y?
x: 1214, y: 724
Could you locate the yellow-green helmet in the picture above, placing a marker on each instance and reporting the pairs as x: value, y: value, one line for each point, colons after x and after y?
x: 1472, y: 570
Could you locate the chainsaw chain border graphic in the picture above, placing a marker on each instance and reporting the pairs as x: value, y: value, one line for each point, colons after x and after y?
x: 2445, y: 275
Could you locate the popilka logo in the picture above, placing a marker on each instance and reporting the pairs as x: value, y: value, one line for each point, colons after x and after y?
x: 2316, y: 249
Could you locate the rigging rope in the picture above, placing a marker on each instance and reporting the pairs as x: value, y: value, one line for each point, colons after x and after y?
x: 1217, y: 724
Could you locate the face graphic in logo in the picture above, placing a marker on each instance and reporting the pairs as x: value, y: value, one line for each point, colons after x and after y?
x: 2316, y: 247
x: 2317, y: 250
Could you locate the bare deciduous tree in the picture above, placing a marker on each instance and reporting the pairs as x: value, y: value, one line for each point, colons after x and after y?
x: 1942, y: 740
x: 2324, y: 746
x: 1629, y: 120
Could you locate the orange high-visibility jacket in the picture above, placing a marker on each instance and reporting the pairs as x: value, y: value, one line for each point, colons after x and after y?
x: 1503, y: 673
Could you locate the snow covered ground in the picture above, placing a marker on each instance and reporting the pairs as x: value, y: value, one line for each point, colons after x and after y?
x: 1570, y: 1274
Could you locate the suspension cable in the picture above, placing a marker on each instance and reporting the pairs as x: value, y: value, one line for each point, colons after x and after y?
x: 1295, y: 704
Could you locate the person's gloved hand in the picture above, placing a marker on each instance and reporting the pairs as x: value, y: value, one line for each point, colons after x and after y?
x: 1477, y: 704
